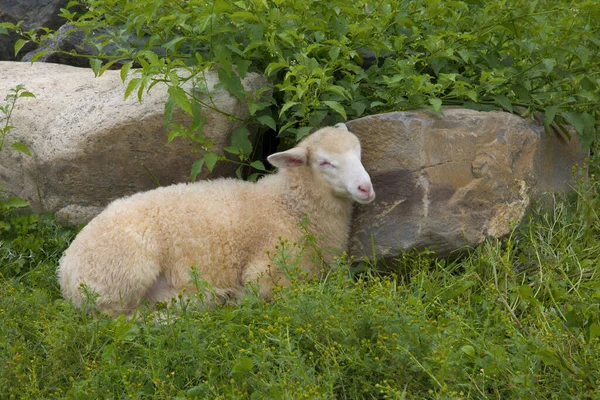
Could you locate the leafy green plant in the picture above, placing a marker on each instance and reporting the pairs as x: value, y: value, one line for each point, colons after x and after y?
x: 6, y: 110
x: 338, y: 60
x: 9, y: 203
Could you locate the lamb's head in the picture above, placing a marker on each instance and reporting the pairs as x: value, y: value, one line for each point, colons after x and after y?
x: 333, y: 156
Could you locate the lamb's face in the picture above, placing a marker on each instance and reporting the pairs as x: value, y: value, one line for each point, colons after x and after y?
x: 344, y: 172
x: 333, y: 154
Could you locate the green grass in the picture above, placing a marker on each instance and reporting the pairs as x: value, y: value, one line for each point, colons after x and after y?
x: 514, y: 319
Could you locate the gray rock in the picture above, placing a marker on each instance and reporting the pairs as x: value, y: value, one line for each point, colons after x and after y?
x: 447, y: 182
x: 34, y: 13
x: 73, y: 215
x: 89, y: 146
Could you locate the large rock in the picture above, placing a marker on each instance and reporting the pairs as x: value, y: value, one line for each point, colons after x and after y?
x: 89, y: 146
x: 446, y: 182
x: 34, y: 14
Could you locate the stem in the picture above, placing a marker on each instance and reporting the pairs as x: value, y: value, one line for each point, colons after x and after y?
x: 8, y: 113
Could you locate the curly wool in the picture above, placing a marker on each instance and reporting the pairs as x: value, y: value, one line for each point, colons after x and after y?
x: 143, y: 246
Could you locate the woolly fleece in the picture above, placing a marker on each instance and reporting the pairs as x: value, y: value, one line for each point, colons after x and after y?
x: 143, y: 246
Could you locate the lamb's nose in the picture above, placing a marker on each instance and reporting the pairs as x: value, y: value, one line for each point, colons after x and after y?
x: 366, y: 188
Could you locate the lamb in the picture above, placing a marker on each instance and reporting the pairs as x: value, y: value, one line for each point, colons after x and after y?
x: 142, y: 247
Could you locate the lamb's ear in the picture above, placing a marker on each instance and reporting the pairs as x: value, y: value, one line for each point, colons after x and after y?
x: 341, y: 125
x: 291, y: 158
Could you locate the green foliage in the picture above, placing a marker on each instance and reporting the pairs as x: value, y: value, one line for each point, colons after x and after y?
x: 6, y: 111
x: 339, y: 59
x: 515, y: 319
x: 7, y: 202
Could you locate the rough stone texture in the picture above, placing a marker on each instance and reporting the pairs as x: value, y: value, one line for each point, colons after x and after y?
x: 446, y: 182
x: 89, y: 146
x: 34, y: 13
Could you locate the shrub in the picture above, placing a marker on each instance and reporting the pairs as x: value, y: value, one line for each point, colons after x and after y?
x: 342, y: 59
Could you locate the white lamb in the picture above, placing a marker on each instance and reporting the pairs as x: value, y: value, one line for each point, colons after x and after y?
x: 143, y: 246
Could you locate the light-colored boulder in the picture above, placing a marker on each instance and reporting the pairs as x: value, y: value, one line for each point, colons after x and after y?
x: 446, y: 182
x: 89, y: 146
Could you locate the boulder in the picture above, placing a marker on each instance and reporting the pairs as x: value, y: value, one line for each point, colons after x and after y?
x: 446, y: 182
x: 89, y: 146
x: 34, y: 14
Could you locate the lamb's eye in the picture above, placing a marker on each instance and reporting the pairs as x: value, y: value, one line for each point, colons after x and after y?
x: 325, y: 163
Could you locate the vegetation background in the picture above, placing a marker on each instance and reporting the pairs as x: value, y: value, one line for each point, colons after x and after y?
x: 517, y: 318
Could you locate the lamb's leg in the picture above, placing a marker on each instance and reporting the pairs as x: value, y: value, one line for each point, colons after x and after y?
x: 120, y: 279
x: 161, y: 290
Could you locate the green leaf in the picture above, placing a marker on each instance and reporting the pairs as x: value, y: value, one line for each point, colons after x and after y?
x: 19, y: 45
x: 239, y: 139
x: 242, y: 365
x: 196, y: 169
x: 170, y: 45
x: 503, y: 102
x: 198, y: 120
x: 334, y: 52
x: 594, y: 330
x: 521, y: 92
x: 549, y: 64
x: 575, y: 120
x: 286, y: 106
x: 131, y: 86
x: 223, y: 56
x: 195, y: 392
x: 168, y: 114
x: 584, y: 55
x: 26, y: 94
x: 338, y: 90
x: 8, y: 25
x: 242, y: 67
x: 258, y: 165
x: 233, y: 84
x: 232, y: 150
x: 359, y: 108
x: 267, y: 120
x: 337, y: 107
x: 437, y: 104
x: 125, y: 330
x: 39, y: 54
x: 18, y: 146
x: 16, y: 202
x: 526, y: 292
x: 244, y: 15
x: 210, y: 159
x: 549, y: 114
x: 274, y: 67
x: 106, y: 66
x: 589, y: 131
x: 548, y: 357
x: 302, y: 132
x: 96, y: 64
x: 221, y: 6
x: 125, y: 70
x: 468, y: 350
x: 179, y: 97
x: 151, y: 57
x: 588, y: 84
